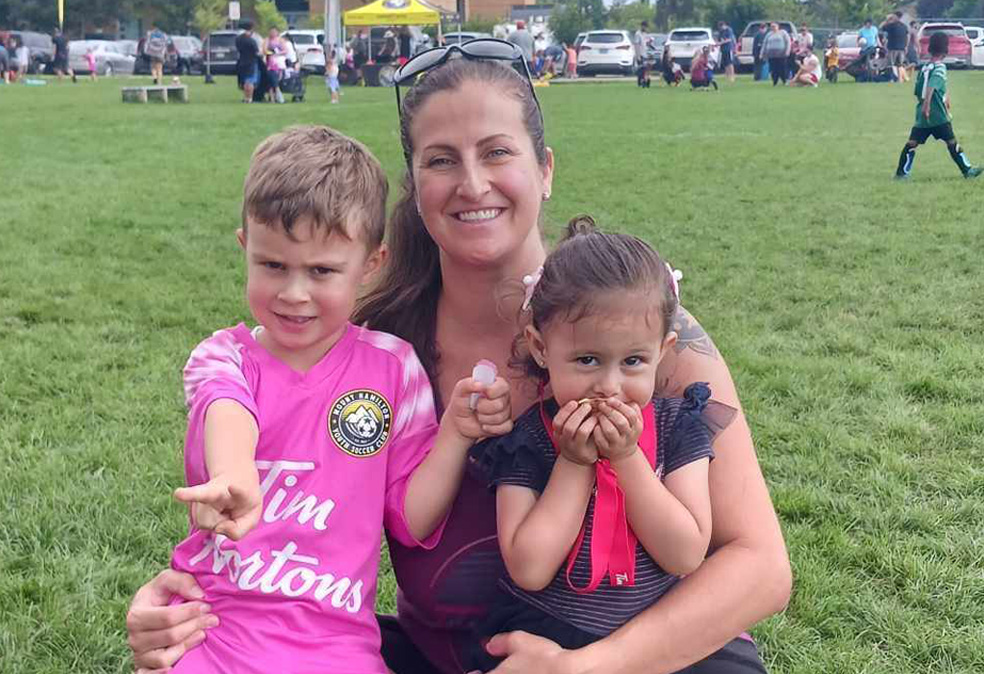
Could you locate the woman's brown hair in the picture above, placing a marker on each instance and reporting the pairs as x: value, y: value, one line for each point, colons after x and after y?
x: 404, y: 301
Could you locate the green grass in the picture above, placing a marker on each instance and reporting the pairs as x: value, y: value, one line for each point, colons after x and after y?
x: 849, y: 307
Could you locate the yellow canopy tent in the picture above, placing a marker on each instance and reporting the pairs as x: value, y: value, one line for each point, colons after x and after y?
x: 394, y: 13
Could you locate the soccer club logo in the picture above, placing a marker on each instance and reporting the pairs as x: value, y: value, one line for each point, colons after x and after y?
x: 359, y: 422
x: 396, y: 4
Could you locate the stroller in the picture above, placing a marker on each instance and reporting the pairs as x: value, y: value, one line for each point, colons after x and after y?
x: 294, y: 85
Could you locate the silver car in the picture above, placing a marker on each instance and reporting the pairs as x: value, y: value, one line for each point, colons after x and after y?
x: 110, y: 59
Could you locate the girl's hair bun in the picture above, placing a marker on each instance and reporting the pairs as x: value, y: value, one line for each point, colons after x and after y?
x: 580, y: 225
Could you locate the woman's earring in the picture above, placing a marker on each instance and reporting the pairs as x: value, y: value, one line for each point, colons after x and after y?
x: 546, y: 196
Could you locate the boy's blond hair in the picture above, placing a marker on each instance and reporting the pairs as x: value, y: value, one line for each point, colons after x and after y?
x: 316, y: 173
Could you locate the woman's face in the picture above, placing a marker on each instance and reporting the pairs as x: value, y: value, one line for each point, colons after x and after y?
x: 479, y: 186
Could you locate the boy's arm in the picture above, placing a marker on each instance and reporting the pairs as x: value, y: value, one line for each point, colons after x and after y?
x: 927, y: 101
x: 536, y: 534
x: 230, y: 502
x: 435, y: 482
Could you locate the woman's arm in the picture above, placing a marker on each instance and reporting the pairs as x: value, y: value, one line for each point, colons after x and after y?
x: 745, y: 579
x: 536, y: 534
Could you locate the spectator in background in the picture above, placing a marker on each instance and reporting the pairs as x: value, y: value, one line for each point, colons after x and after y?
x: 4, y: 62
x: 757, y: 57
x: 672, y: 72
x: 90, y: 63
x: 247, y: 67
x: 702, y: 71
x: 23, y: 55
x: 896, y: 41
x: 522, y: 39
x: 570, y: 66
x: 406, y: 45
x: 156, y: 48
x: 808, y: 73
x: 870, y: 36
x: 804, y: 41
x: 276, y: 62
x: 726, y: 40
x: 639, y: 40
x: 776, y: 49
x: 389, y: 49
x: 360, y: 52
x: 912, y: 50
x: 60, y: 62
x: 831, y: 60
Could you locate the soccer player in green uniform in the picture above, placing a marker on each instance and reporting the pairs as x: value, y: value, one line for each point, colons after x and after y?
x: 933, y: 112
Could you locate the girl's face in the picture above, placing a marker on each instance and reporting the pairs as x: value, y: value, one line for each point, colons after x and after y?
x: 611, y: 353
x: 478, y: 184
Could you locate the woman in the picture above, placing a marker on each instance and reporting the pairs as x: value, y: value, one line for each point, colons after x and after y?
x: 464, y: 231
x: 776, y: 49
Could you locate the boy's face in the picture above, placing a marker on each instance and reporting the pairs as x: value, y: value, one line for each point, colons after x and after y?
x: 302, y: 290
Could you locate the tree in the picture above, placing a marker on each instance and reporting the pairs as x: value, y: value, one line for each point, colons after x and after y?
x: 267, y: 17
x: 933, y: 9
x: 566, y: 22
x: 967, y: 9
x: 629, y: 16
x: 210, y: 15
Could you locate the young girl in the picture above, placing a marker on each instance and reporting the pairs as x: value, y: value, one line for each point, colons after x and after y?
x: 601, y: 490
x: 331, y: 73
x: 90, y: 62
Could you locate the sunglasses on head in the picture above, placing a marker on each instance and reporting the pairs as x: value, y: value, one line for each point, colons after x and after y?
x: 483, y: 49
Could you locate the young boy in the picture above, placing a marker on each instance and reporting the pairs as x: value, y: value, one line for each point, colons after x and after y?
x: 933, y: 113
x: 831, y: 58
x: 313, y: 430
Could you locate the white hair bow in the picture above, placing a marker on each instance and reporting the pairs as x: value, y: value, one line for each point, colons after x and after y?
x: 529, y: 285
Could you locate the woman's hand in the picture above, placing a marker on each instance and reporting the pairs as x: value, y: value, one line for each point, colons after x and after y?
x: 524, y: 653
x: 573, y: 429
x: 618, y: 430
x: 160, y: 634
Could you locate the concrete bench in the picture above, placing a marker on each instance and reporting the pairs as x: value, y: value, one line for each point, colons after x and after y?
x: 161, y: 93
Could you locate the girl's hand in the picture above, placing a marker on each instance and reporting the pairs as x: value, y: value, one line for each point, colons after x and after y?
x: 492, y: 414
x: 159, y: 634
x: 573, y: 428
x: 228, y: 504
x: 619, y: 428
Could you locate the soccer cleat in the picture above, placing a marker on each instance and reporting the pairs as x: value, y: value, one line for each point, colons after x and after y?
x: 973, y: 172
x: 902, y: 176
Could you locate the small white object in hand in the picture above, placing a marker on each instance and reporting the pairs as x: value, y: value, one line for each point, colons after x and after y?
x: 484, y: 372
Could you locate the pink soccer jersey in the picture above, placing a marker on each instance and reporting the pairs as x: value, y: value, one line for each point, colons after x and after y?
x: 336, y: 449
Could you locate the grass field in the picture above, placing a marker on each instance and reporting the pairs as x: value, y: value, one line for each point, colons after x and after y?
x: 849, y: 306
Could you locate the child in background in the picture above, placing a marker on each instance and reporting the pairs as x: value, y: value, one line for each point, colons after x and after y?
x: 603, y: 463
x: 933, y: 113
x: 570, y: 67
x: 701, y: 71
x: 831, y: 57
x: 331, y: 73
x: 315, y: 431
x: 90, y: 63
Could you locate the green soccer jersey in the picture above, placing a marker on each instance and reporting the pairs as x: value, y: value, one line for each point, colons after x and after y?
x: 932, y: 75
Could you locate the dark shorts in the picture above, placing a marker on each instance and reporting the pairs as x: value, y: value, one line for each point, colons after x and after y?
x: 250, y: 76
x: 896, y: 57
x: 60, y: 64
x: 920, y: 134
x: 726, y: 58
x: 739, y: 656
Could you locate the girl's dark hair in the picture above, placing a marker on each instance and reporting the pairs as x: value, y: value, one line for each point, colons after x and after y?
x: 404, y: 301
x: 587, y: 263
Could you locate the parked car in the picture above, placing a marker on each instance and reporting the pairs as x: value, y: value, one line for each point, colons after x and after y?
x: 463, y: 36
x: 684, y: 43
x: 40, y: 48
x: 110, y: 59
x: 129, y: 47
x: 578, y: 41
x: 961, y: 51
x: 310, y: 48
x: 184, y: 56
x: 606, y: 51
x: 220, y: 47
x: 746, y: 59
x: 976, y: 36
x: 848, y: 49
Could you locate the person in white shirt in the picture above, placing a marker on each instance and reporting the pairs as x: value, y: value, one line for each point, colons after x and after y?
x: 809, y: 72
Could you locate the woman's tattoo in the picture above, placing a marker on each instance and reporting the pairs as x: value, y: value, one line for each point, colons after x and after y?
x: 690, y: 335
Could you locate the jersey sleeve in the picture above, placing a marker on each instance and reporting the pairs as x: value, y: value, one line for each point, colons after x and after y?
x: 414, y: 431
x: 937, y: 79
x: 215, y: 371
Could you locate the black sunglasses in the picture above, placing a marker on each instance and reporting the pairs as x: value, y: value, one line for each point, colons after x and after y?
x: 486, y: 48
